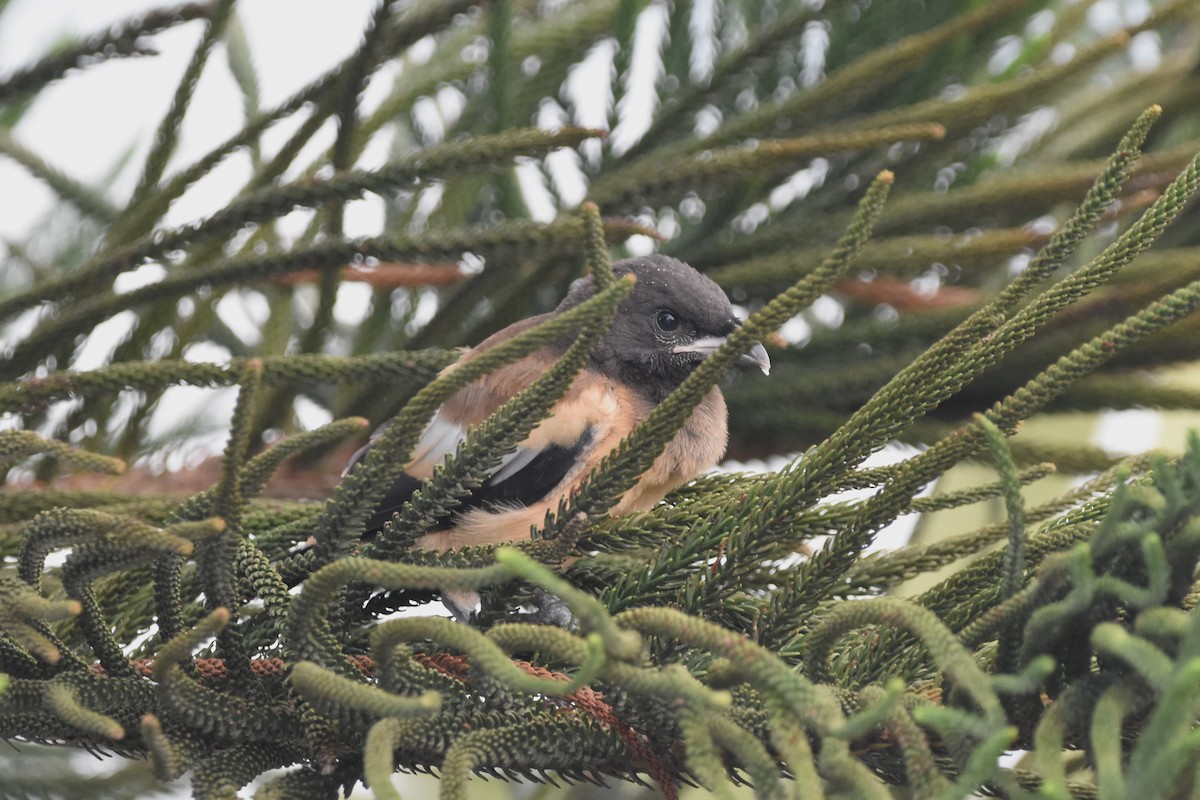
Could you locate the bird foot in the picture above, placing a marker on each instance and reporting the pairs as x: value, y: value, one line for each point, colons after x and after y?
x: 551, y: 610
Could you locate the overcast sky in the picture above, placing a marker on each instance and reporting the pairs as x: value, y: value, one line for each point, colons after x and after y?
x: 292, y: 41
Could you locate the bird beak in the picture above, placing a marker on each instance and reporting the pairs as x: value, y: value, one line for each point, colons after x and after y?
x: 757, y: 355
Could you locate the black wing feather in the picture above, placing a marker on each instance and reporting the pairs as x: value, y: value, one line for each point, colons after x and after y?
x: 393, y: 501
x: 528, y: 485
x: 533, y: 482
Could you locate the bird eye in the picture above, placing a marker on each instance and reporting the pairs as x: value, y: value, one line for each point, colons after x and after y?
x: 667, y: 321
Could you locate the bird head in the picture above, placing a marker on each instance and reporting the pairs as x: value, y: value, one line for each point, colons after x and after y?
x: 672, y: 320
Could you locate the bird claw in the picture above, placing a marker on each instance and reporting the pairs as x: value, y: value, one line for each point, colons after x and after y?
x: 465, y: 606
x: 551, y: 610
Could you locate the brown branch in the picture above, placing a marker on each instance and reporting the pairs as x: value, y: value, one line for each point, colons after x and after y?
x: 585, y: 699
x: 384, y: 276
x: 900, y: 295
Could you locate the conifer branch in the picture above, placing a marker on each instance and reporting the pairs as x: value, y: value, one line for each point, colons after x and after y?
x: 358, y: 492
x: 642, y: 184
x: 1014, y: 554
x: 270, y: 203
x: 509, y: 240
x: 882, y: 418
x: 604, y: 486
x: 833, y: 560
x: 308, y: 631
x: 597, y: 247
x: 32, y: 395
x: 486, y: 444
x: 333, y: 694
x: 119, y: 41
x: 16, y: 446
x: 89, y: 201
x: 22, y: 617
x: 859, y: 77
x: 167, y: 135
x: 735, y: 631
x: 169, y: 762
x: 63, y: 700
x: 952, y: 658
x: 379, y: 751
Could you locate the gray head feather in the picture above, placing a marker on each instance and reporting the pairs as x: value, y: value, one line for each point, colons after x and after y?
x: 666, y: 326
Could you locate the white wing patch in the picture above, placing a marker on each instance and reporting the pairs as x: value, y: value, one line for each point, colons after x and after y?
x: 441, y: 440
x: 513, y: 463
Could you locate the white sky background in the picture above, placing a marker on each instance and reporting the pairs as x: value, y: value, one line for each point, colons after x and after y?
x: 286, y: 57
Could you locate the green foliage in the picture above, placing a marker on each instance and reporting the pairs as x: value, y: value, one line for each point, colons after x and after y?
x: 743, y: 630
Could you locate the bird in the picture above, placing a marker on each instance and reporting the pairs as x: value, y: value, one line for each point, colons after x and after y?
x: 672, y: 319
